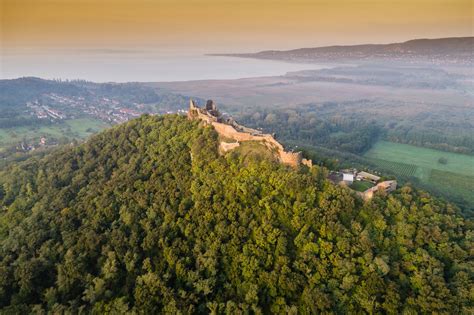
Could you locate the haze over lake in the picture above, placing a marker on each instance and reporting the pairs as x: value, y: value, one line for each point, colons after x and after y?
x: 131, y: 65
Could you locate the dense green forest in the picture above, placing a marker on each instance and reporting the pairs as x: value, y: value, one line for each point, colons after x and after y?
x: 434, y: 138
x: 306, y: 126
x: 340, y: 127
x: 146, y: 217
x: 337, y: 160
x: 338, y: 141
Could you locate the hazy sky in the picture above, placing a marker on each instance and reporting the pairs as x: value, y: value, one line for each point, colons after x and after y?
x: 225, y: 25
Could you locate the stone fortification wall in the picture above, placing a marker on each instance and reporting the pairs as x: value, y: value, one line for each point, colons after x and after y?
x: 195, y: 112
x: 227, y: 131
x: 388, y: 186
x: 290, y: 158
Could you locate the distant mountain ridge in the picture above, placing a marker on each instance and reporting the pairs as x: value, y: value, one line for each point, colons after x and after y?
x: 453, y: 49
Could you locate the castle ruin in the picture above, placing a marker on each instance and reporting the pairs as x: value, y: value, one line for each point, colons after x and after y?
x: 387, y: 186
x: 229, y: 129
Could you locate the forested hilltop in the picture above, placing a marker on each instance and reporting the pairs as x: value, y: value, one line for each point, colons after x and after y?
x: 146, y: 217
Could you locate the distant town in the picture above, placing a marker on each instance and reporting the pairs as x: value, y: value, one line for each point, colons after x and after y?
x: 103, y: 108
x: 57, y: 118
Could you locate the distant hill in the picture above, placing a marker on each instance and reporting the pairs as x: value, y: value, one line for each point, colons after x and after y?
x: 148, y: 218
x: 75, y: 98
x: 454, y: 49
x: 19, y: 91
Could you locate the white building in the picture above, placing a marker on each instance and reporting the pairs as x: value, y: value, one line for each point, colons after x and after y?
x: 348, y: 178
x: 367, y: 176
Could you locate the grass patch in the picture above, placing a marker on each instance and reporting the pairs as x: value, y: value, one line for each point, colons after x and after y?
x: 254, y: 150
x: 361, y: 185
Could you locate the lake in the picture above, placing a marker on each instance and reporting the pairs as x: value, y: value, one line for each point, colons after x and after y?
x: 142, y: 66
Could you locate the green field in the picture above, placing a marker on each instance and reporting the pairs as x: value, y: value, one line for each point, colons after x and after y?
x: 454, y: 183
x: 361, y: 185
x: 73, y: 129
x: 403, y: 169
x: 422, y: 157
x: 455, y: 177
x: 84, y: 127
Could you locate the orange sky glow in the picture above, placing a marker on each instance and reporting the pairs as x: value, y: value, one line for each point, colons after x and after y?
x: 226, y: 25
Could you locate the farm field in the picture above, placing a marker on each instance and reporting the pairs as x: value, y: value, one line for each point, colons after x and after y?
x: 84, y: 127
x: 77, y: 128
x: 454, y: 177
x: 454, y: 183
x: 422, y: 158
x: 403, y: 169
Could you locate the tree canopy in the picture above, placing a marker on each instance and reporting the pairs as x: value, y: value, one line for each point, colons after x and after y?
x: 146, y: 217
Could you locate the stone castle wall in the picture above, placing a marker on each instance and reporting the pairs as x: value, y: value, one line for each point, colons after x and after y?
x: 387, y: 186
x: 290, y: 158
x: 293, y: 159
x: 195, y: 112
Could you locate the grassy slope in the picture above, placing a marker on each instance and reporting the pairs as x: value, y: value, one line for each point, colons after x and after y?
x: 254, y: 149
x: 361, y: 185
